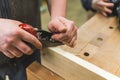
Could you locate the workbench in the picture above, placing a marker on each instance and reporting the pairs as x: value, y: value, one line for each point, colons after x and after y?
x: 95, y: 57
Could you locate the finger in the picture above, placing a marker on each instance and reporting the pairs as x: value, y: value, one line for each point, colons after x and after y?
x: 66, y: 37
x: 23, y: 47
x: 71, y: 28
x: 57, y: 26
x: 70, y: 25
x: 70, y: 35
x: 58, y: 36
x: 73, y: 42
x: 30, y: 39
x: 8, y: 54
x: 103, y: 13
x: 14, y: 51
x: 106, y: 0
x: 62, y: 37
x: 107, y: 10
x: 73, y: 39
x: 5, y: 52
x: 107, y: 4
x: 72, y: 32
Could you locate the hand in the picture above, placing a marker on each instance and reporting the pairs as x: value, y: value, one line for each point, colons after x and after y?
x: 13, y: 38
x: 64, y: 30
x: 103, y: 6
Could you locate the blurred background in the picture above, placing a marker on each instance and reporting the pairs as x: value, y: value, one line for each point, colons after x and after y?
x: 75, y: 12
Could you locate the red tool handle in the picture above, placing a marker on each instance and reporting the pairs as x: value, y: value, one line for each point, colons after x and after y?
x: 29, y: 29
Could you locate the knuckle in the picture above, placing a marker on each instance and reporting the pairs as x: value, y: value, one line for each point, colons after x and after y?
x: 5, y: 46
x: 8, y: 55
x: 15, y: 32
x: 68, y: 36
x: 19, y: 55
x: 27, y: 51
x: 9, y: 40
x: 72, y: 22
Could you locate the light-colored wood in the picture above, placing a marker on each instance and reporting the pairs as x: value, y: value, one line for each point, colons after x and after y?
x: 71, y: 67
x: 38, y: 72
x: 96, y: 55
x: 61, y: 63
x: 31, y: 75
x: 103, y: 46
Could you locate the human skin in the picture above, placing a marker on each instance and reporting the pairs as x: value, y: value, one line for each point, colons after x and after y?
x: 103, y: 6
x: 13, y: 38
x: 65, y: 29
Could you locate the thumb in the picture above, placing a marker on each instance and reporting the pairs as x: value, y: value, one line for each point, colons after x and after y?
x: 62, y: 29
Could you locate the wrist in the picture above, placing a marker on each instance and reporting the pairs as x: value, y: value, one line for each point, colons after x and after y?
x: 55, y: 17
x: 93, y: 5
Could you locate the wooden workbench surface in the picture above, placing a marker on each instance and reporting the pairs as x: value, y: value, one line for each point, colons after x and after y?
x: 38, y: 72
x: 98, y: 46
x: 99, y: 43
x: 95, y: 57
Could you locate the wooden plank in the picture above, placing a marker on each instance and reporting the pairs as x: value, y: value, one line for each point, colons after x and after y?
x: 71, y: 67
x: 38, y: 72
x: 31, y: 75
x: 107, y: 56
x: 103, y: 48
x: 98, y: 45
x: 89, y: 31
x: 95, y: 46
x: 68, y: 69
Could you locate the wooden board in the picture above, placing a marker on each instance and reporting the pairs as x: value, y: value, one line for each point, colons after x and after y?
x: 38, y: 72
x: 31, y: 75
x: 96, y: 55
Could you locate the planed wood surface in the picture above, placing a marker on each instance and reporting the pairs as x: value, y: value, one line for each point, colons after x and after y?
x: 38, y: 72
x: 66, y: 65
x: 101, y: 40
x: 96, y: 55
x: 32, y: 76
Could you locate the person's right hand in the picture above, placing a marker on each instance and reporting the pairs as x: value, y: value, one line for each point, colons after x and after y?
x: 64, y: 30
x: 13, y: 38
x: 103, y: 6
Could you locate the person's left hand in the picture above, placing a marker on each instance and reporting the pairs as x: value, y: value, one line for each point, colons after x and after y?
x: 102, y: 6
x: 64, y: 30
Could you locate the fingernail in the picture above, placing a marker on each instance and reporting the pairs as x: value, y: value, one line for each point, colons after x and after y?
x: 20, y: 55
x: 74, y: 44
x: 30, y: 52
x: 39, y: 46
x: 64, y: 30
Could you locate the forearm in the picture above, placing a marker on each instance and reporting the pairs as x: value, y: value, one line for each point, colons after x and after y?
x: 58, y: 8
x: 64, y: 29
x: 49, y: 5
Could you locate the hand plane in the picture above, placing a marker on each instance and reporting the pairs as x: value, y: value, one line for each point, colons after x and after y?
x: 43, y: 36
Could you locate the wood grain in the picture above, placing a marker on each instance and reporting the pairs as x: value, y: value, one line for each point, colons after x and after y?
x: 95, y: 57
x: 38, y: 72
x: 98, y: 46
